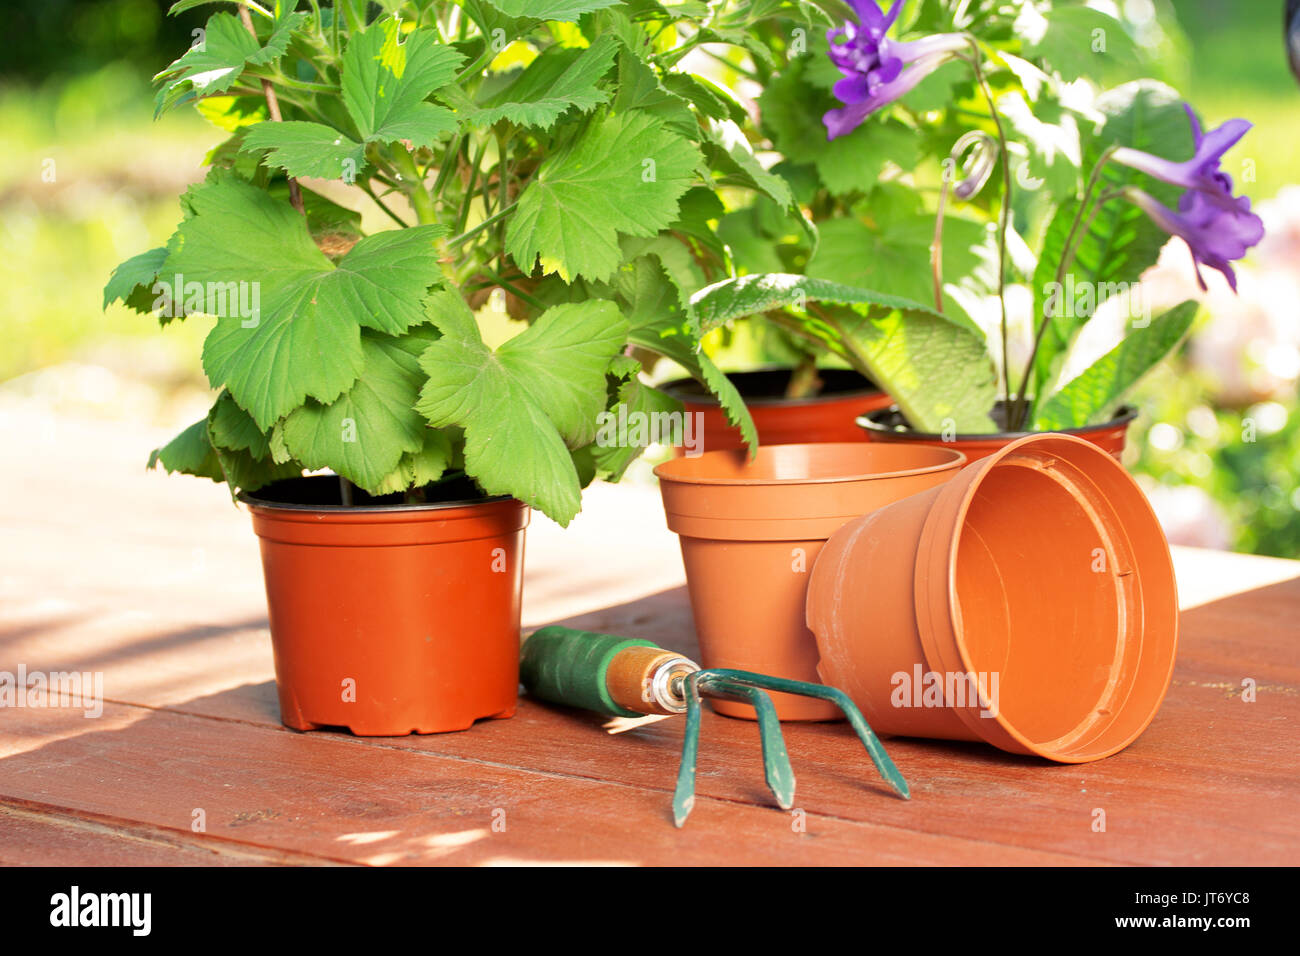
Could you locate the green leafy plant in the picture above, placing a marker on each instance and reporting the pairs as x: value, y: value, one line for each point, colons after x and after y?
x: 1005, y: 144
x: 551, y: 155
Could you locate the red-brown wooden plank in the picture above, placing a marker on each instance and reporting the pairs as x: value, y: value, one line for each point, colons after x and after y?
x: 337, y: 799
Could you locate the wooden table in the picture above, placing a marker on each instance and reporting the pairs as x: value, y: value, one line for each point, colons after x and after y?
x: 155, y: 582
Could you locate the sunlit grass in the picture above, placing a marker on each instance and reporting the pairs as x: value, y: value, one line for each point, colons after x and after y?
x: 87, y: 179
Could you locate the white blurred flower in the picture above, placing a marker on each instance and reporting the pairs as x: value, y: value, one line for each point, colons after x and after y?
x: 986, y: 312
x: 1188, y: 515
x: 1250, y: 345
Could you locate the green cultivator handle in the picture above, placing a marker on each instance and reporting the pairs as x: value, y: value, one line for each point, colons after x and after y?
x: 631, y: 678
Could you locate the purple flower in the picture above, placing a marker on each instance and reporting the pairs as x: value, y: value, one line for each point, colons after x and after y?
x: 1217, y: 226
x: 1215, y: 235
x: 878, y: 70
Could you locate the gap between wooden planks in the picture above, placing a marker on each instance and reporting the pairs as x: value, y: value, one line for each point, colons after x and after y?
x: 345, y: 799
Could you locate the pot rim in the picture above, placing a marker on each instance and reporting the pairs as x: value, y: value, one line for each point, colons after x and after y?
x: 674, y: 387
x: 251, y: 500
x: 959, y: 460
x: 868, y: 422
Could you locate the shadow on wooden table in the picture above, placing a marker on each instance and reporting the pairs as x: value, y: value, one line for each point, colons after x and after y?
x: 1213, y: 781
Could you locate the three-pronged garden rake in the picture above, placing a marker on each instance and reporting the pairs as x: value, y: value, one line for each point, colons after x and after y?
x: 623, y: 677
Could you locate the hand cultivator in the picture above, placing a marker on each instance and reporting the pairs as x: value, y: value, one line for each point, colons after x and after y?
x: 623, y: 677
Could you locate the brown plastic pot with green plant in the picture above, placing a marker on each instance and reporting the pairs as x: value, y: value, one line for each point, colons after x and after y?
x: 549, y: 158
x: 783, y: 413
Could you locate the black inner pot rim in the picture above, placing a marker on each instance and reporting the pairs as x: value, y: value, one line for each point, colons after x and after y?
x: 874, y: 421
x: 689, y: 390
x: 251, y: 498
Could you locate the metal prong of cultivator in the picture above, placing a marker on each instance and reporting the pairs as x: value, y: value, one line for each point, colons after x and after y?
x: 684, y: 794
x: 776, y: 759
x: 875, y: 749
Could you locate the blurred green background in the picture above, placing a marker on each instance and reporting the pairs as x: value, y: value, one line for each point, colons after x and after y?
x: 87, y: 178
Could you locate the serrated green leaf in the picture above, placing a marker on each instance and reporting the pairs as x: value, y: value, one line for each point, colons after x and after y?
x: 192, y: 452
x: 366, y: 431
x: 232, y: 113
x: 243, y: 472
x: 386, y: 82
x: 751, y: 248
x: 658, y: 317
x: 699, y: 209
x: 791, y: 108
x: 526, y: 404
x: 936, y: 368
x: 215, y: 64
x: 726, y: 137
x: 385, y: 85
x: 729, y: 398
x: 657, y: 285
x: 279, y: 450
x: 233, y: 428
x: 383, y: 279
x: 1093, y: 396
x: 624, y: 174
x: 557, y: 81
x: 307, y: 149
x: 130, y: 281
x: 564, y: 10
x: 189, y: 453
x: 1078, y: 41
x: 1122, y: 242
x: 896, y: 259
x: 304, y: 340
x: 420, y: 468
x: 635, y: 401
x: 295, y: 351
x: 709, y: 98
x: 639, y: 89
x: 853, y: 163
x: 180, y: 6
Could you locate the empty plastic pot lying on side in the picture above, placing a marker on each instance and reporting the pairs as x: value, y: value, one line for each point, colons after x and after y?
x: 750, y: 532
x: 1029, y: 603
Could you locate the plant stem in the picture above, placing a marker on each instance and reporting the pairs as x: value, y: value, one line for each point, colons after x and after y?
x: 836, y: 346
x: 464, y: 236
x: 936, y: 247
x: 748, y: 74
x: 450, y: 160
x: 345, y: 492
x: 239, y: 90
x: 513, y: 289
x: 1068, y: 252
x: 304, y: 85
x: 369, y: 191
x: 273, y: 107
x: 413, y: 185
x: 477, y: 160
x: 804, y: 380
x: 479, y: 65
x: 1005, y: 216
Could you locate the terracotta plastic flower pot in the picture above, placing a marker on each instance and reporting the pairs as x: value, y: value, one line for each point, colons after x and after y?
x: 826, y: 417
x: 750, y: 532
x: 391, y: 619
x: 889, y: 425
x: 1028, y: 603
